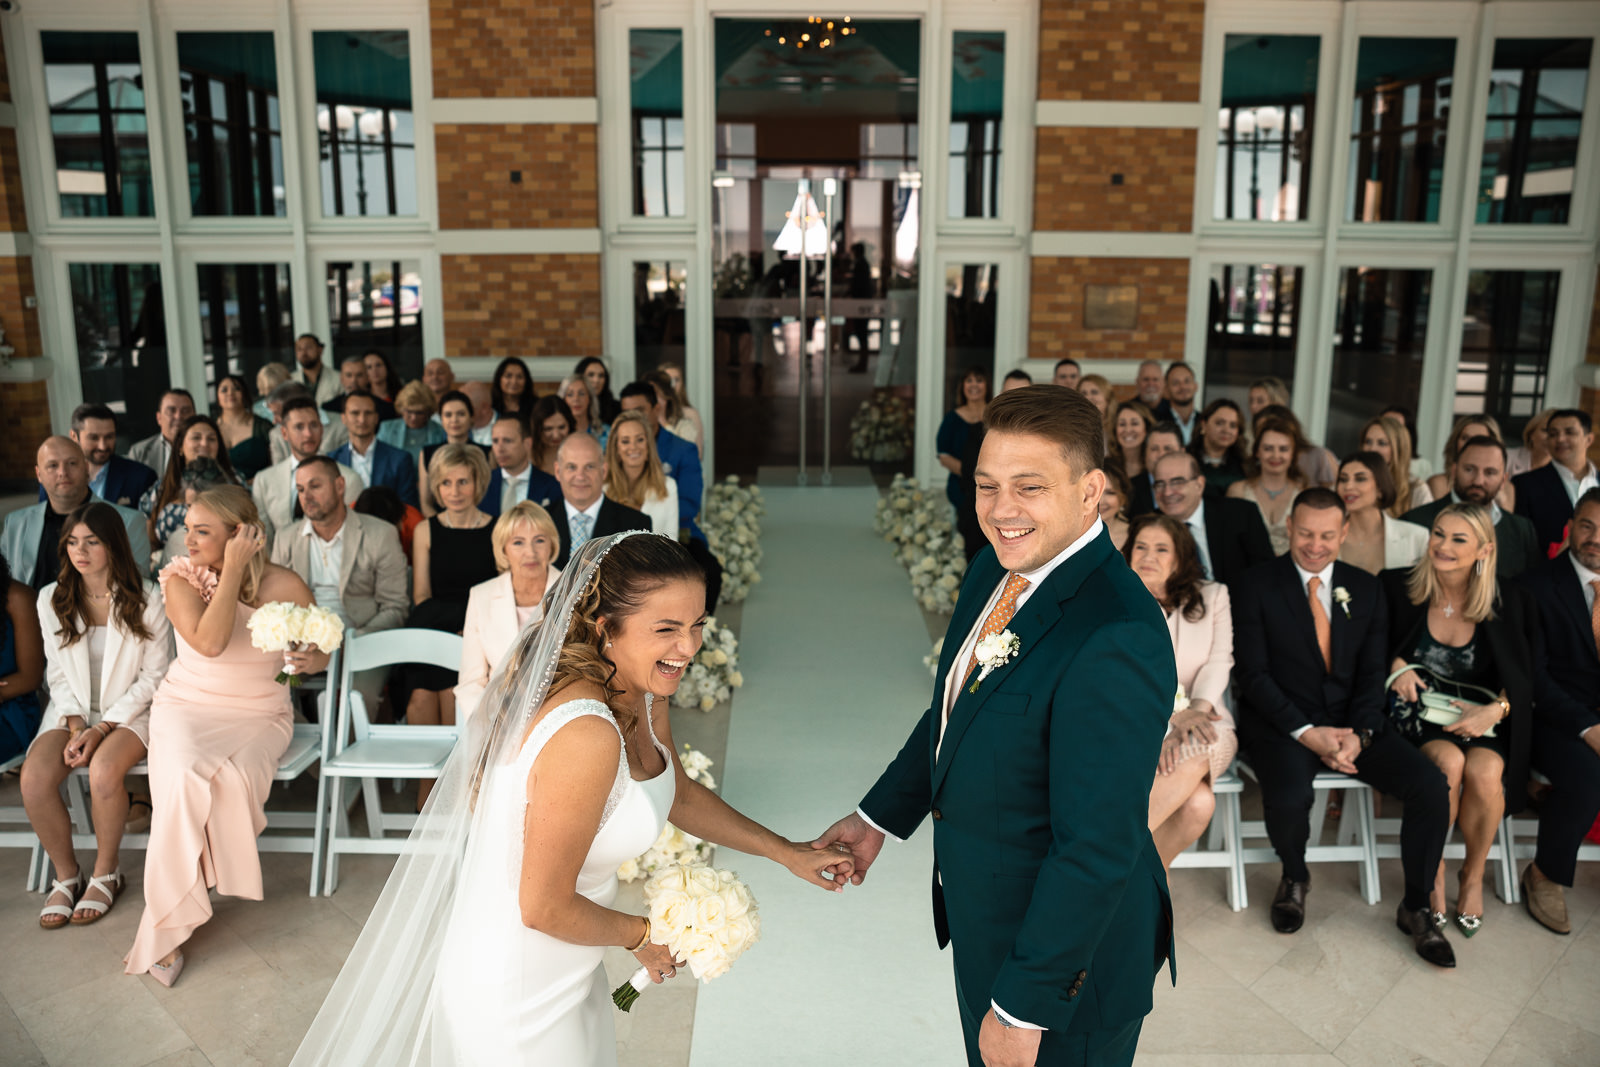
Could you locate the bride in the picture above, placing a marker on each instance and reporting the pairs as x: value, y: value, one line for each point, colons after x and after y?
x: 495, y: 956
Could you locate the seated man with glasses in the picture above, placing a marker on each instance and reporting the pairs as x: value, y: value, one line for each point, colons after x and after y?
x: 1229, y: 533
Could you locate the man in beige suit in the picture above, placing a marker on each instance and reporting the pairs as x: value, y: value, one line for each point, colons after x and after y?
x: 300, y: 423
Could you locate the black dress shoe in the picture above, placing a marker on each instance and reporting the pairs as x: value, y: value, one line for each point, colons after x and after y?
x: 1289, y: 906
x: 1429, y: 940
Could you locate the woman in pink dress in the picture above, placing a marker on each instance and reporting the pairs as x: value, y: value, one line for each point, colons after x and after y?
x: 218, y: 724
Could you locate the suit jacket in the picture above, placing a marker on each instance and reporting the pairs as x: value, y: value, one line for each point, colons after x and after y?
x: 1283, y: 684
x: 275, y: 497
x: 391, y: 467
x: 20, y: 539
x: 543, y: 490
x: 327, y: 386
x: 488, y: 634
x: 681, y: 459
x: 334, y: 437
x: 1203, y: 650
x: 613, y: 518
x: 1571, y: 659
x: 1236, y: 537
x: 372, y: 569
x: 1516, y: 543
x: 1542, y: 499
x: 126, y: 481
x: 129, y: 672
x: 1403, y: 542
x: 1047, y: 879
x: 148, y: 452
x: 1143, y: 501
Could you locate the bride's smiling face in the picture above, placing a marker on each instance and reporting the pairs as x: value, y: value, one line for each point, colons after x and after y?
x: 653, y: 647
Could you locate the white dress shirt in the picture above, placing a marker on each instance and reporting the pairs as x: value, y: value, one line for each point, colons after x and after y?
x: 361, y: 462
x: 327, y: 561
x: 1186, y: 426
x: 482, y: 435
x: 1324, y: 597
x: 97, y: 483
x: 593, y: 511
x: 513, y: 488
x: 1574, y: 485
x: 1197, y: 527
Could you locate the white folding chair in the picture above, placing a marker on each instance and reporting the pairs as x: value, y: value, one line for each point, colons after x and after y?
x: 1387, y: 835
x: 378, y: 751
x: 19, y: 831
x: 307, y: 748
x: 1224, y: 847
x: 1357, y: 844
x: 1526, y: 827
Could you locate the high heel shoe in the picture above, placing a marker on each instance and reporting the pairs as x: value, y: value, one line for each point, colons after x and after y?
x: 167, y: 973
x: 1440, y: 919
x: 1470, y: 924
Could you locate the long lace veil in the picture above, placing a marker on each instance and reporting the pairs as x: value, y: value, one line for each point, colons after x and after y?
x: 378, y: 1011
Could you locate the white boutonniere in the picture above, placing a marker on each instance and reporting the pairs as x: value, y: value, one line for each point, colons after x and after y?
x: 1341, y: 596
x: 1180, y: 700
x: 992, y: 653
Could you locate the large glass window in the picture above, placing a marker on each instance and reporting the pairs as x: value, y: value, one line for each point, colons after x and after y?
x: 376, y: 306
x: 1397, y: 134
x: 1253, y: 328
x: 95, y: 88
x: 1505, y: 344
x: 365, y: 122
x: 118, y: 314
x: 1264, y: 130
x: 977, y: 94
x: 1380, y: 329
x: 655, y: 68
x: 971, y: 294
x: 1530, y: 137
x: 244, y: 318
x: 658, y: 307
x: 229, y: 87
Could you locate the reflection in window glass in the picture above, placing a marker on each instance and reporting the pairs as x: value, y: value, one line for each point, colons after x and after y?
x: 977, y: 92
x: 889, y: 150
x: 117, y: 310
x: 95, y: 88
x: 1254, y: 327
x: 364, y: 122
x: 1402, y: 108
x: 658, y: 303
x: 1505, y: 345
x: 1264, y: 130
x: 970, y: 297
x: 655, y: 69
x: 229, y: 90
x: 376, y: 306
x: 244, y: 318
x: 1379, y: 331
x: 1530, y: 138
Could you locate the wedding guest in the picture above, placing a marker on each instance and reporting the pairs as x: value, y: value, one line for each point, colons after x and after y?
x: 581, y: 405
x: 678, y: 459
x: 1098, y: 390
x: 1114, y: 505
x: 1067, y: 373
x: 198, y: 439
x: 1480, y: 471
x: 1150, y: 384
x: 1548, y: 495
x: 32, y: 535
x: 552, y: 423
x: 1219, y: 444
x: 483, y: 413
x: 268, y: 378
x: 415, y: 429
x: 353, y: 379
x: 673, y: 418
x: 511, y: 391
x: 218, y: 725
x: 1131, y: 423
x: 273, y: 490
x: 634, y: 477
x: 1375, y: 541
x: 498, y: 610
x: 1309, y: 643
x: 311, y: 372
x: 112, y: 478
x: 199, y: 475
x: 381, y: 381
x: 1387, y: 437
x: 1265, y: 392
x: 1178, y: 407
x: 958, y: 424
x: 22, y: 665
x: 456, y: 416
x: 246, y: 436
x: 438, y: 376
x: 1163, y: 440
x: 106, y: 648
x: 689, y: 426
x: 597, y: 378
x: 1319, y: 465
x: 515, y: 478
x: 1228, y: 534
x: 1274, y: 477
x: 1200, y: 742
x: 1565, y: 746
x: 154, y: 451
x: 1420, y: 468
x: 1534, y: 452
x: 585, y: 511
x: 1466, y: 428
x: 373, y: 461
x: 280, y: 396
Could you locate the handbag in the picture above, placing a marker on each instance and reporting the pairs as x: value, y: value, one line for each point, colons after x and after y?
x: 1435, y: 703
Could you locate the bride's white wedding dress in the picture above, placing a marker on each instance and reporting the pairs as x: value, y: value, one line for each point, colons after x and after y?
x: 504, y: 993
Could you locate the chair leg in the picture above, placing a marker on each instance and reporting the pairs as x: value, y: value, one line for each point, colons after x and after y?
x: 1319, y: 815
x: 1238, y: 895
x: 1370, y: 887
x: 374, y: 804
x: 338, y: 827
x: 318, y: 834
x: 1505, y: 843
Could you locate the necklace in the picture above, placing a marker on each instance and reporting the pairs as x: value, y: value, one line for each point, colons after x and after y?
x: 102, y: 598
x: 1273, y: 494
x: 1449, y: 609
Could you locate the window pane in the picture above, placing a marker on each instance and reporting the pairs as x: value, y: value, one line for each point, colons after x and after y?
x: 977, y: 92
x: 1530, y: 137
x: 658, y: 303
x: 1402, y: 108
x: 376, y: 305
x: 970, y: 296
x: 1379, y: 334
x: 230, y: 119
x: 655, y: 70
x: 364, y: 122
x: 1254, y: 327
x: 1505, y: 345
x: 1264, y: 130
x: 122, y: 341
x: 95, y: 87
x: 244, y: 318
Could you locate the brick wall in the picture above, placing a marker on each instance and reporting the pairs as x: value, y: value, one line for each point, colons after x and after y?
x: 21, y: 323
x: 512, y: 48
x: 522, y: 305
x: 13, y: 219
x: 24, y: 422
x: 1120, y: 49
x: 557, y: 162
x: 1055, y: 328
x: 1073, y: 187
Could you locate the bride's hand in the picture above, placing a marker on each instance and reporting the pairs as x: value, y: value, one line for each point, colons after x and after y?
x: 828, y: 867
x: 657, y: 960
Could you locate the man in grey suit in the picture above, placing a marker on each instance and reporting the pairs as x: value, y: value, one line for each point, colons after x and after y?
x: 1480, y: 474
x: 311, y: 372
x: 32, y: 534
x: 154, y: 451
x: 300, y: 424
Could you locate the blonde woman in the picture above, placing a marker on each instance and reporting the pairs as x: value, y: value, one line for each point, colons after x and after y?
x: 1265, y: 392
x: 689, y: 425
x: 634, y: 475
x: 268, y: 378
x: 584, y: 407
x: 1098, y: 389
x: 1534, y: 452
x: 1466, y: 428
x: 1388, y: 437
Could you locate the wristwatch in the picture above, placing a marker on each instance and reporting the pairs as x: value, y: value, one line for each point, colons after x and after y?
x: 1366, y: 738
x: 1002, y: 1020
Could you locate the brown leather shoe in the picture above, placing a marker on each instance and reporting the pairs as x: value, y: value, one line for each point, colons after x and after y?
x: 1289, y: 906
x: 1545, y: 900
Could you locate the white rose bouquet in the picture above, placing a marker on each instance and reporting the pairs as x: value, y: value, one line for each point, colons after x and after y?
x: 282, y: 626
x: 704, y: 916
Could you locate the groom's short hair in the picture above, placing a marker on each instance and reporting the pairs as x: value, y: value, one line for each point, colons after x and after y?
x: 1062, y: 415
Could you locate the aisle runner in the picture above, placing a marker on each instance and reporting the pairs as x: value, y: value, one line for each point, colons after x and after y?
x: 831, y: 649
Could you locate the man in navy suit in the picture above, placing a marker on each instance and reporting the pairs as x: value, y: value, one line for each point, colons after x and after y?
x: 515, y: 478
x: 1548, y: 495
x: 376, y: 462
x: 1566, y: 740
x: 679, y: 458
x: 113, y: 478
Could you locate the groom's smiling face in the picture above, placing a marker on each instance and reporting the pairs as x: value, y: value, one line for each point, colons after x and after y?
x: 1031, y: 503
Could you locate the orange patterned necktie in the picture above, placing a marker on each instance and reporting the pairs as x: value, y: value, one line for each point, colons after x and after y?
x: 1319, y: 620
x: 999, y: 616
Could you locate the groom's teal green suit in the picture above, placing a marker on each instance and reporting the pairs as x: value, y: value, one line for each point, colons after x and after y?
x: 1047, y: 883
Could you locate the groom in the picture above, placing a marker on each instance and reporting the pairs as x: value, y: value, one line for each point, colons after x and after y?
x: 1036, y: 763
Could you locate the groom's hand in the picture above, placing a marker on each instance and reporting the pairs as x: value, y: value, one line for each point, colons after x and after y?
x: 864, y: 843
x: 1007, y: 1046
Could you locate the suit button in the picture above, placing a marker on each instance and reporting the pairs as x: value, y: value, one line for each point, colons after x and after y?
x: 1072, y: 992
x: 937, y: 815
x: 1082, y: 975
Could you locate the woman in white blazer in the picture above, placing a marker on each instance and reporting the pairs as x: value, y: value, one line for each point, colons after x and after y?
x: 107, y: 643
x: 525, y: 544
x: 1200, y: 742
x: 1377, y: 541
x: 634, y: 475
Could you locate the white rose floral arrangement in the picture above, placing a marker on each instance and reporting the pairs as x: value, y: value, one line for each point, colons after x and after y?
x: 706, y: 917
x: 714, y: 674
x: 674, y: 847
x: 731, y: 519
x: 917, y: 522
x: 880, y: 430
x: 282, y: 626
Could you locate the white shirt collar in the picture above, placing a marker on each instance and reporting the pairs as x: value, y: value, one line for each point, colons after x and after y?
x: 1199, y: 515
x: 1326, y: 574
x: 593, y: 510
x: 1585, y: 575
x: 1035, y: 577
x: 514, y: 479
x: 1570, y: 478
x: 306, y: 530
x: 1494, y: 508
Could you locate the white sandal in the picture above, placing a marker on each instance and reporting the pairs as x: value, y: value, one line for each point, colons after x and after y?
x: 111, y: 885
x: 71, y: 887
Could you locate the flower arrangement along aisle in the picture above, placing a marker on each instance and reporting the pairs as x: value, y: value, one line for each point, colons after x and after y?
x: 714, y: 674
x: 282, y: 626
x: 880, y: 430
x: 917, y: 522
x: 707, y: 917
x: 674, y: 847
x: 731, y: 520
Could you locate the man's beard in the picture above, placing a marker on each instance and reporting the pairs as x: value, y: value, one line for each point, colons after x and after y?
x: 1475, y: 495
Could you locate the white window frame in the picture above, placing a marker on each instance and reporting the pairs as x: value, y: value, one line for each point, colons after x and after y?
x: 615, y: 135
x: 1305, y: 254
x: 1019, y: 23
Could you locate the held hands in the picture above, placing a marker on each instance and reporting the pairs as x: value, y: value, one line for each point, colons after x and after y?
x: 827, y: 867
x: 247, y: 540
x: 1337, y: 746
x: 1007, y: 1046
x: 859, y: 839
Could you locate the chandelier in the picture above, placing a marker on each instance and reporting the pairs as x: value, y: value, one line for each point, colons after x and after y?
x: 815, y: 32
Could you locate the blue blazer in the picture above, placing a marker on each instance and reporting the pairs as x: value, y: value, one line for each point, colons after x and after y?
x: 391, y: 467
x: 681, y: 460
x: 126, y: 481
x: 543, y: 490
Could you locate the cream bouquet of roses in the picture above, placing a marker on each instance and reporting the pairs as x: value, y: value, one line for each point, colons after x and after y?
x: 282, y: 626
x: 704, y: 916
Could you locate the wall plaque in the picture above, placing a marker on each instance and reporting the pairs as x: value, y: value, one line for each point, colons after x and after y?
x: 1110, y: 307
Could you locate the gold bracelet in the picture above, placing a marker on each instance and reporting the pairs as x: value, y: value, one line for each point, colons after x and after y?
x: 645, y: 940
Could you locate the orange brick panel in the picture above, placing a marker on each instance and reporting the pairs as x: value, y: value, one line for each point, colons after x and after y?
x: 5, y: 75
x: 20, y: 323
x: 24, y: 422
x: 522, y: 305
x: 559, y: 186
x: 1056, y: 329
x: 490, y: 48
x: 1120, y: 49
x: 1073, y: 187
x: 13, y: 219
